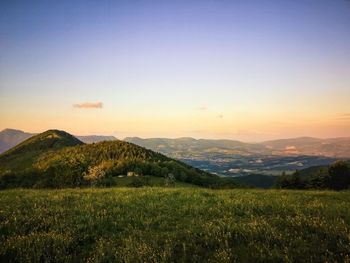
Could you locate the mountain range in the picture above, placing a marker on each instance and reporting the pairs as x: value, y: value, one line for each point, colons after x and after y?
x: 189, y: 147
x: 256, y: 164
x: 58, y: 159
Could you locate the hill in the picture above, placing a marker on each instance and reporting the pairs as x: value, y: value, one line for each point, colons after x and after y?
x: 312, y: 171
x: 189, y: 147
x: 57, y: 159
x: 10, y: 138
x: 335, y: 176
x: 24, y: 155
x: 332, y: 147
x: 253, y: 164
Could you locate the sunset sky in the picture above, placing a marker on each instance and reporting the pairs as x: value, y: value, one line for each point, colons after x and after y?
x: 247, y: 70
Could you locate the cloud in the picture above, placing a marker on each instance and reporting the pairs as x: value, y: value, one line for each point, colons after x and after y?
x: 207, y: 110
x: 203, y: 108
x: 343, y: 116
x: 89, y: 105
x: 252, y: 133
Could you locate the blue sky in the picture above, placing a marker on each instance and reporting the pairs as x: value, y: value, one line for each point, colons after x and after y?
x: 249, y: 70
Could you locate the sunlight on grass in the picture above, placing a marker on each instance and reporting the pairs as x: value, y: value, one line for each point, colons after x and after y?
x: 174, y: 224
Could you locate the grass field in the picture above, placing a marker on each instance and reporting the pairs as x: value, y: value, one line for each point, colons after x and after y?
x: 148, y: 181
x: 174, y: 225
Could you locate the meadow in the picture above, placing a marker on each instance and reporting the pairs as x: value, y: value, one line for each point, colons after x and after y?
x: 154, y: 224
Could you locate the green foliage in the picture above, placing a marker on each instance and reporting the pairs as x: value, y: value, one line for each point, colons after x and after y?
x: 318, y: 179
x: 174, y: 225
x: 139, y: 182
x: 256, y: 180
x: 335, y: 177
x: 21, y: 158
x: 51, y: 139
x: 169, y: 180
x: 292, y: 181
x: 47, y: 161
x: 339, y: 175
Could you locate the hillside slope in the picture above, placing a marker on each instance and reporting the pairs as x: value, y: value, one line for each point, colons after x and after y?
x: 10, y: 138
x: 24, y: 155
x: 57, y: 159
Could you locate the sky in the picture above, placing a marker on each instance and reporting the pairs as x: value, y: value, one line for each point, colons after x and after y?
x: 250, y: 70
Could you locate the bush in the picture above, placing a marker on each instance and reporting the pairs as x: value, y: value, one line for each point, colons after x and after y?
x: 292, y: 181
x: 339, y: 175
x: 139, y: 182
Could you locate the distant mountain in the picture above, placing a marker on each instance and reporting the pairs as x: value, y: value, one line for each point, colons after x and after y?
x: 57, y: 159
x: 11, y: 137
x: 96, y: 138
x: 189, y: 147
x: 254, y: 164
x: 333, y: 147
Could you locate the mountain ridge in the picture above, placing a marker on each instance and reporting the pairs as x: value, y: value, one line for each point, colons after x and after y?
x: 11, y: 137
x: 58, y: 159
x: 331, y: 147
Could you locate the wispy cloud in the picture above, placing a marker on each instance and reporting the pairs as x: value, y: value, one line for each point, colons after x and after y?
x: 203, y: 108
x: 343, y: 116
x: 88, y: 105
x: 220, y: 116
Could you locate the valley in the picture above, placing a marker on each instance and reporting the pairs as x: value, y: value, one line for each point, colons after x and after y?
x: 228, y: 165
x: 255, y: 164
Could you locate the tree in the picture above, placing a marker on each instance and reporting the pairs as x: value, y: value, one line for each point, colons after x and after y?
x: 293, y: 181
x: 339, y: 175
x: 296, y: 180
x: 169, y: 180
x: 320, y: 179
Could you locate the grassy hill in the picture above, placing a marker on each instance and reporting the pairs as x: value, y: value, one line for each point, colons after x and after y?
x: 174, y: 225
x: 10, y: 138
x: 58, y: 159
x: 25, y: 154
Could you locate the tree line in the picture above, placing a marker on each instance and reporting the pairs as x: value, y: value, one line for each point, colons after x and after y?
x: 334, y: 177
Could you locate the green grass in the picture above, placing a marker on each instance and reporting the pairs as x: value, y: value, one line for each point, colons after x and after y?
x: 152, y: 181
x: 174, y: 225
